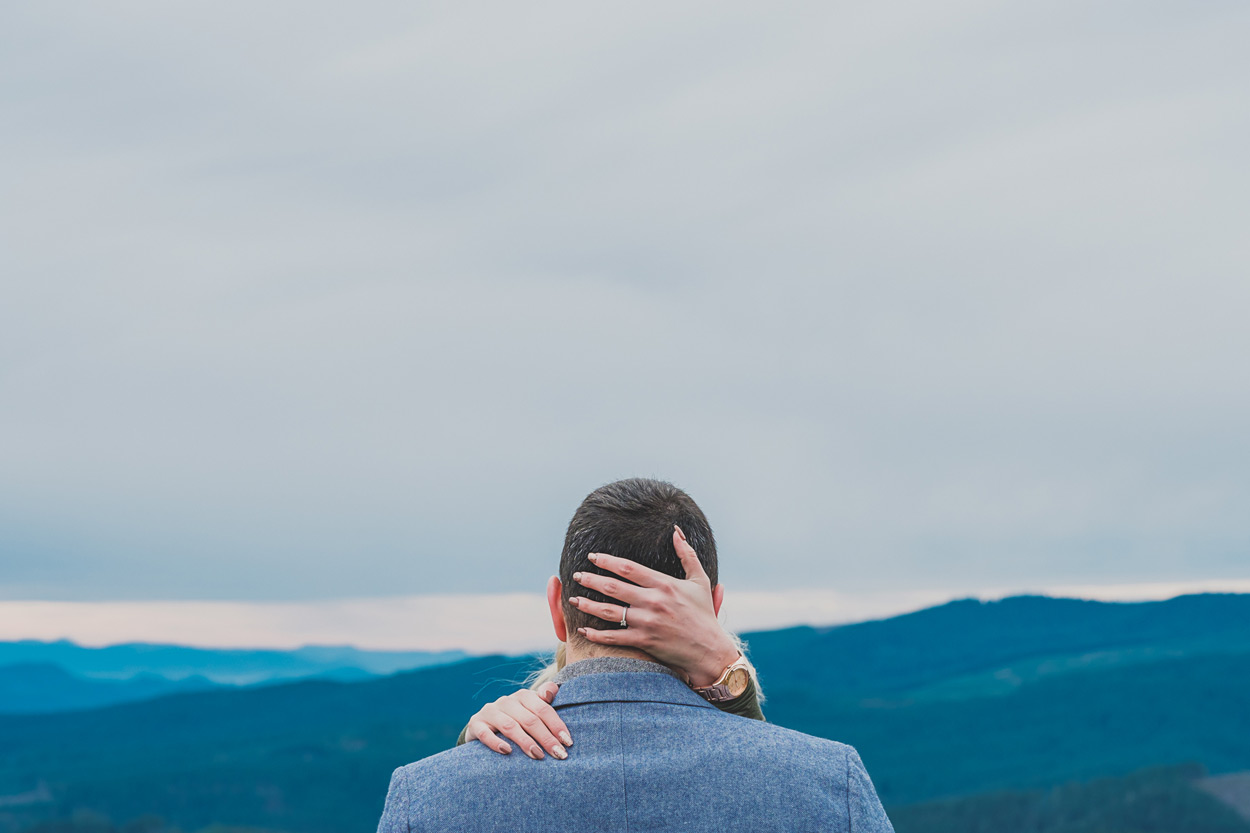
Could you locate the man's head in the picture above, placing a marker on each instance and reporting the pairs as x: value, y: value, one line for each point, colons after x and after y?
x: 631, y: 519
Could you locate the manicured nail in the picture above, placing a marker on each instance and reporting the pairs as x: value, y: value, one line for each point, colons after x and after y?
x: 506, y: 749
x: 568, y: 740
x: 536, y: 754
x: 577, y: 577
x: 559, y: 752
x: 575, y: 600
x: 582, y: 631
x: 680, y: 534
x: 594, y: 556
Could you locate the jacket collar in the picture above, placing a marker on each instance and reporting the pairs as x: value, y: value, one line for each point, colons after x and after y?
x: 627, y: 687
x: 599, y: 665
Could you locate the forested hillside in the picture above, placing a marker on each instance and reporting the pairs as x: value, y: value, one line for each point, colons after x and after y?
x: 964, y: 714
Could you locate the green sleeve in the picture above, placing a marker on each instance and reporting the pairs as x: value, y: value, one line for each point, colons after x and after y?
x: 746, y: 704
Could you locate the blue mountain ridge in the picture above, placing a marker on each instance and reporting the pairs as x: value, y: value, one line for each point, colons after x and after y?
x: 220, y: 665
x: 41, y: 687
x: 1094, y: 690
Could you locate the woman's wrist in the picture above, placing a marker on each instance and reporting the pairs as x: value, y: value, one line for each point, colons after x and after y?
x: 719, y: 657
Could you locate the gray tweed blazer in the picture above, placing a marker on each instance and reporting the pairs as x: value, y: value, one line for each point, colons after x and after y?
x: 648, y: 755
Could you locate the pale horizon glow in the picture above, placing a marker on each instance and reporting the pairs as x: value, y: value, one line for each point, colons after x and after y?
x: 505, y: 623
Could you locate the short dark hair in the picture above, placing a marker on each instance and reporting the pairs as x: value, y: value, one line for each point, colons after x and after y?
x: 631, y: 519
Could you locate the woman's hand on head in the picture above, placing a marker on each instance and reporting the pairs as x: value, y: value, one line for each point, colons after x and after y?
x: 527, y: 718
x: 672, y: 619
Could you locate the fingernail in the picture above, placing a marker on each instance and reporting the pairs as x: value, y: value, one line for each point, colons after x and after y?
x: 680, y: 534
x: 575, y: 600
x: 568, y: 740
x: 559, y: 752
x: 506, y: 749
x: 582, y: 631
x: 594, y: 556
x: 577, y: 577
x: 536, y: 754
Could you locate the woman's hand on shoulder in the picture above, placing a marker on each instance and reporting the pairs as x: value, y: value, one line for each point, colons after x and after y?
x: 527, y: 718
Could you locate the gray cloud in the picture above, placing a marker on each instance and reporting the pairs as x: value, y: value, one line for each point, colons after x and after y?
x: 303, y: 302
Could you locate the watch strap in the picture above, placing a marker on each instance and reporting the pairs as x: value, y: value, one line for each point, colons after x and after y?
x: 715, y: 693
x: 718, y: 692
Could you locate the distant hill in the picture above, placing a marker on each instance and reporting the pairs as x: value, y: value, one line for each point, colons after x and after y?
x: 220, y: 665
x: 1163, y: 800
x: 977, y: 647
x: 1110, y: 689
x: 37, y: 687
x: 305, y: 756
x: 1072, y: 726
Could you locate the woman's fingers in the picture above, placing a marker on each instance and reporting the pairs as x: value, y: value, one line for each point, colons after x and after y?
x: 632, y: 570
x: 527, y: 719
x: 550, y: 718
x: 608, y: 586
x: 480, y: 731
x: 622, y: 638
x: 604, y: 611
x: 515, y: 732
x: 689, y: 558
x: 496, y: 716
x: 528, y: 729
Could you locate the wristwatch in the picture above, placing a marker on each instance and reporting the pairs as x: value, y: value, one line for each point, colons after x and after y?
x: 730, y: 685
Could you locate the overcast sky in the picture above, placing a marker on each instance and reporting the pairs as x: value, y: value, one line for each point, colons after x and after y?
x: 305, y: 301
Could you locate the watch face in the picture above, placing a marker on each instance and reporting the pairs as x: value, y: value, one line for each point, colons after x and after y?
x: 738, y: 680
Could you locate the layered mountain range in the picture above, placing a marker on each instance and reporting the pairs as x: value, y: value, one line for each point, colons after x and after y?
x: 1029, y: 714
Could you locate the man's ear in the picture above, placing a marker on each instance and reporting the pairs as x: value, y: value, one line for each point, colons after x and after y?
x: 555, y: 601
x: 718, y: 596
